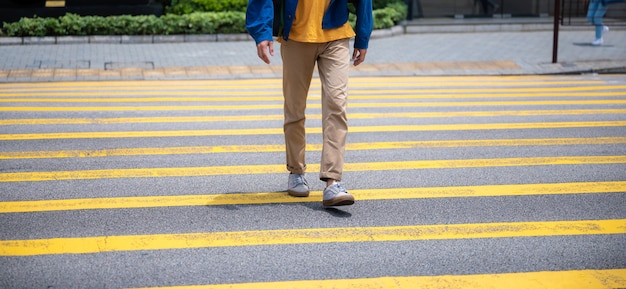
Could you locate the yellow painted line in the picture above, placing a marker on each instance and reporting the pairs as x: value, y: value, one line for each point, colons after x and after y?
x: 315, y: 106
x: 209, y: 85
x: 398, y: 86
x: 355, y: 91
x: 310, y: 147
x: 355, y: 94
x: 417, y: 94
x: 107, y: 96
x: 210, y: 88
x: 141, y: 108
x: 274, y: 131
x: 315, y: 196
x: 168, y: 119
x: 575, y: 279
x: 230, y: 85
x: 486, y: 103
x: 273, y: 117
x: 144, y: 83
x: 273, y: 81
x: 269, y: 169
x: 100, y: 244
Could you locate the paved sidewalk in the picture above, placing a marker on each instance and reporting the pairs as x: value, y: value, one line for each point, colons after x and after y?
x: 485, y: 51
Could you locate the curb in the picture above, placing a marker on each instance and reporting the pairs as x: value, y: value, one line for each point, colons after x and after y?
x: 468, y: 68
x: 406, y: 27
x: 122, y: 39
x: 153, y: 39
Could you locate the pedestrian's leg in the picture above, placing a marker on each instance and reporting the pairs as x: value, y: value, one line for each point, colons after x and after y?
x: 599, y: 31
x: 594, y: 16
x: 298, y: 65
x: 599, y: 14
x: 334, y: 68
x: 591, y: 11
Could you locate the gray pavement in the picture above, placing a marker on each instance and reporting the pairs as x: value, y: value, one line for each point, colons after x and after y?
x: 455, y: 47
x: 477, y: 156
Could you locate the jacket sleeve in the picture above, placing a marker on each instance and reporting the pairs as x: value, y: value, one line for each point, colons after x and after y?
x: 364, y: 23
x: 259, y: 19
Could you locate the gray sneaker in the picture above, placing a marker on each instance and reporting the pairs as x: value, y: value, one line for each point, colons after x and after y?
x: 297, y: 186
x: 336, y: 195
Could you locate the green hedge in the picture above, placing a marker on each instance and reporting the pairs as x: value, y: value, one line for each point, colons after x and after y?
x: 72, y: 24
x: 189, y: 6
x: 392, y: 13
x: 389, y: 16
x: 225, y: 22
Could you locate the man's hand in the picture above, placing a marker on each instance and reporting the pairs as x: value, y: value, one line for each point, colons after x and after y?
x: 358, y: 56
x: 264, y: 49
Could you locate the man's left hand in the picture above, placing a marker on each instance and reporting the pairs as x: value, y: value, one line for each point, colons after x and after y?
x: 358, y: 56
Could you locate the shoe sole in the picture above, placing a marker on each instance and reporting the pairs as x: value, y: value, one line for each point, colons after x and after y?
x: 298, y: 194
x: 339, y: 201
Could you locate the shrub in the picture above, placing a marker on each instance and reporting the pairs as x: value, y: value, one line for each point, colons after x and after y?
x: 72, y: 24
x: 397, y: 11
x: 393, y: 13
x: 204, y: 23
x: 381, y: 4
x: 230, y: 22
x: 32, y: 27
x: 142, y: 25
x: 190, y: 6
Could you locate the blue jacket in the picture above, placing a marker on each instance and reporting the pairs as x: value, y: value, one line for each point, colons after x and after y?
x: 260, y: 19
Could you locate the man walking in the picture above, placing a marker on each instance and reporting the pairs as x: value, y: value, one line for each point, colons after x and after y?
x: 313, y: 32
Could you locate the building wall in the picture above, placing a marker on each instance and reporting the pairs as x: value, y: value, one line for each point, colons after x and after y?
x: 514, y: 8
x: 13, y: 10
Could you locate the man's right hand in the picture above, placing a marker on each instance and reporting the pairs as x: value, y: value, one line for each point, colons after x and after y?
x: 264, y: 49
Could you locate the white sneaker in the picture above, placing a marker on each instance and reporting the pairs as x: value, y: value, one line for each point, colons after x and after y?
x: 297, y: 186
x: 336, y: 195
x: 605, y: 28
x: 597, y: 42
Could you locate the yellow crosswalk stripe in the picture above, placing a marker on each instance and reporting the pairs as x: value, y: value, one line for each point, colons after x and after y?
x: 264, y: 89
x: 210, y: 85
x: 309, y: 147
x: 275, y: 131
x: 150, y: 96
x: 279, y: 117
x: 312, y: 105
x: 425, y: 80
x: 315, y: 196
x: 269, y: 169
x: 574, y: 279
x: 100, y: 244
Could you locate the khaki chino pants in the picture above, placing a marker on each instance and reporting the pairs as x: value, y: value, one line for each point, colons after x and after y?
x: 333, y: 65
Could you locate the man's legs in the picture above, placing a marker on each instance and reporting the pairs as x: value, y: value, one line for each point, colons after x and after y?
x: 333, y: 61
x: 334, y: 68
x: 298, y: 65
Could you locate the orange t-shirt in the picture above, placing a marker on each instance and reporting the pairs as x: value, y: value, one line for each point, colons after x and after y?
x: 307, y: 25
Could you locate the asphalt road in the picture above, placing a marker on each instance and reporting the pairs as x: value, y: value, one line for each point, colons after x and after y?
x: 465, y: 182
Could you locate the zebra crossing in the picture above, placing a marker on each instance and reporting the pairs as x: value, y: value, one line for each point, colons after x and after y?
x: 460, y: 182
